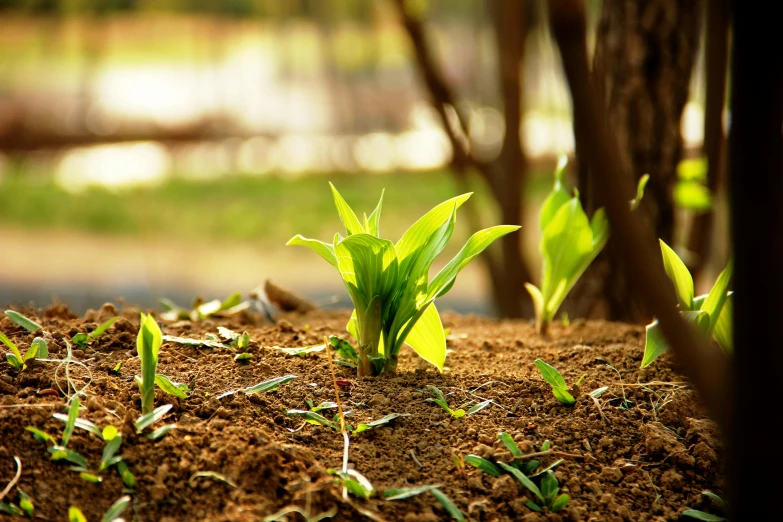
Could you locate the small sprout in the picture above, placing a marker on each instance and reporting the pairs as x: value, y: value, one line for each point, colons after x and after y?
x: 711, y: 313
x: 82, y: 339
x: 38, y: 350
x: 262, y: 387
x: 440, y: 400
x: 73, y: 414
x: 483, y: 464
x: 116, y: 369
x: 558, y: 384
x: 90, y: 477
x: 356, y: 483
x: 187, y: 341
x: 549, y: 497
x: 448, y: 505
x: 148, y: 419
x: 161, y: 432
x: 108, y: 457
x: 231, y: 305
x: 148, y: 344
x: 127, y: 477
x: 176, y: 389
x: 380, y: 422
x: 75, y: 515
x: 388, y: 283
x: 707, y: 517
x: 509, y: 443
x: 244, y: 356
x: 117, y: 509
x: 26, y: 503
x: 28, y: 324
x: 326, y: 405
x: 63, y: 453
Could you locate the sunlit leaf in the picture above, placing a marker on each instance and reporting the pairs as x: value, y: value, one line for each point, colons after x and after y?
x: 556, y: 381
x: 176, y: 389
x: 483, y: 464
x: 403, y: 493
x: 116, y: 510
x: 151, y: 418
x: 24, y: 322
x: 383, y: 420
x: 523, y: 480
x: 448, y: 505
x: 679, y: 274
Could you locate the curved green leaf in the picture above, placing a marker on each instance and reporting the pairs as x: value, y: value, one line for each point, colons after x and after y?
x: 177, y: 389
x: 24, y: 322
x: 151, y: 418
x: 701, y: 515
x: 427, y: 337
x: 402, y: 493
x: 117, y: 509
x: 483, y: 464
x: 448, y: 505
x: 556, y: 381
x: 10, y: 344
x: 716, y: 299
x: 655, y: 342
x: 325, y: 250
x: 679, y: 274
x: 724, y: 333
x: 347, y: 215
x: 523, y: 480
x: 373, y: 226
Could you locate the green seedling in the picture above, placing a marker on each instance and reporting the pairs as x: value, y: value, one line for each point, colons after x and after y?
x: 28, y: 324
x: 569, y: 243
x: 711, y: 313
x: 262, y: 387
x: 148, y: 344
x: 708, y: 517
x: 356, y: 483
x: 25, y: 506
x: 547, y: 495
x: 558, y: 384
x: 388, y: 283
x: 440, y: 400
x: 148, y: 419
x: 82, y: 339
x: 113, y: 513
x: 313, y: 417
x: 235, y: 340
x: 529, y: 467
x: 326, y: 405
x: 38, y: 350
x: 231, y: 305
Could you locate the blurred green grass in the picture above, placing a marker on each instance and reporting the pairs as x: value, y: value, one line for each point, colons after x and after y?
x: 266, y: 210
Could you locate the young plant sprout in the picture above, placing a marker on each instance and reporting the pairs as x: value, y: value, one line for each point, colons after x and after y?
x: 38, y: 350
x: 711, y: 312
x: 388, y: 283
x: 82, y: 339
x: 229, y: 306
x: 558, y: 384
x: 440, y: 400
x: 707, y: 517
x: 148, y: 344
x: 569, y: 243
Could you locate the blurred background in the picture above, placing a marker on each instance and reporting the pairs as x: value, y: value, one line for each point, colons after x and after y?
x: 171, y: 148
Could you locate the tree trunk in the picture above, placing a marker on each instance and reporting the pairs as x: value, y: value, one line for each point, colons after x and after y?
x: 645, y: 53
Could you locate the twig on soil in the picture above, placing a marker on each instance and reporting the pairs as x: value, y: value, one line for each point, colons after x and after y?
x: 550, y: 452
x: 413, y: 456
x: 13, y: 480
x: 600, y: 410
x: 42, y: 405
x: 346, y: 440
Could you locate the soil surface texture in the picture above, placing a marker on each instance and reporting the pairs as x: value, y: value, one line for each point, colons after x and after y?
x: 642, y: 450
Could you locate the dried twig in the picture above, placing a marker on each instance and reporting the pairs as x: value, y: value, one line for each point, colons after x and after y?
x: 416, y: 460
x: 346, y: 440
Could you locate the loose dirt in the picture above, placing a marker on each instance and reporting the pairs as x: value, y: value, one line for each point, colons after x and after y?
x: 642, y: 451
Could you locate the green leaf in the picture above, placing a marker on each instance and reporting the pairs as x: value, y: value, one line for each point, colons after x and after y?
x: 160, y: 432
x: 523, y: 480
x: 556, y: 381
x: 92, y: 478
x: 427, y: 339
x: 151, y: 418
x: 70, y: 422
x: 715, y: 499
x: 356, y: 483
x: 538, y: 302
x: 678, y: 273
x: 344, y: 349
x: 109, y: 432
x: 26, y: 503
x: 373, y: 222
x: 640, y: 191
x: 10, y: 509
x: 109, y: 451
x: 717, y: 297
x: 83, y: 424
x: 102, y: 328
x: 231, y: 301
x: 549, y: 486
x: 701, y: 515
x: 313, y: 418
x: 24, y: 322
x: 693, y: 196
x: 325, y: 250
x: 244, y: 341
x: 418, y: 234
x: 383, y: 420
x: 80, y: 339
x: 551, y: 467
x: 347, y: 215
x: 403, y: 493
x: 483, y: 464
x: 724, y: 333
x: 41, y: 436
x: 546, y: 445
x: 32, y: 352
x: 326, y: 405
x: 477, y: 243
x: 127, y: 477
x: 511, y: 446
x: 176, y: 389
x: 14, y: 361
x: 301, y: 350
x: 187, y: 341
x: 448, y: 505
x: 40, y: 348
x: 655, y: 343
x: 270, y: 385
x: 117, y: 509
x: 63, y: 453
x: 16, y: 353
x: 148, y: 342
x: 478, y: 407
x: 227, y: 334
x: 557, y: 197
x: 243, y: 356
x: 213, y: 475
x: 560, y: 503
x: 75, y: 515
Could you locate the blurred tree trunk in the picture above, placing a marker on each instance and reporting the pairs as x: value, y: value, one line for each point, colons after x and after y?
x: 645, y: 52
x: 504, y: 176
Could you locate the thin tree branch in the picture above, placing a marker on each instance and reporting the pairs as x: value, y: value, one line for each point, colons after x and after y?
x: 702, y: 361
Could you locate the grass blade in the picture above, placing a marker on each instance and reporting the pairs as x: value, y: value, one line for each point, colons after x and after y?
x: 512, y: 447
x: 160, y: 432
x: 70, y: 422
x: 110, y: 450
x: 449, y: 505
x: 117, y: 509
x: 701, y: 515
x: 556, y: 381
x: 83, y: 424
x: 523, y: 480
x: 102, y: 328
x: 176, y: 389
x: 213, y: 475
x: 313, y: 418
x: 478, y: 407
x: 10, y: 344
x: 151, y: 418
x: 383, y: 420
x: 679, y: 274
x: 483, y: 464
x: 270, y: 385
x: 403, y: 493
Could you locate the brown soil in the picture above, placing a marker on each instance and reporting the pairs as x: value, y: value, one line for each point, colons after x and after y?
x: 643, y: 460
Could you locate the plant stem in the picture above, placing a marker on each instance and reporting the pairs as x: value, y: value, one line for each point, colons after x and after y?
x: 346, y: 440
